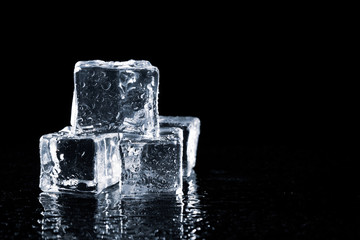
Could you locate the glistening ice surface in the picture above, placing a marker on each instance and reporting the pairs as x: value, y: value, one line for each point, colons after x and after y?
x: 191, y: 131
x: 79, y: 162
x: 116, y: 97
x: 152, y: 165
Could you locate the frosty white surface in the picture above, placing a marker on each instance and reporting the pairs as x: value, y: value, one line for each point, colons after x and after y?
x: 152, y: 165
x: 191, y: 131
x: 79, y: 162
x: 116, y: 97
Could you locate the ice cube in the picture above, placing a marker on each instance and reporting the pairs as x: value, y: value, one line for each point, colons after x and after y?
x: 87, y: 162
x: 116, y: 97
x: 191, y: 131
x: 152, y: 165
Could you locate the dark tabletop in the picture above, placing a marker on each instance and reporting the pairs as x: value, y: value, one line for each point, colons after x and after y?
x: 271, y: 192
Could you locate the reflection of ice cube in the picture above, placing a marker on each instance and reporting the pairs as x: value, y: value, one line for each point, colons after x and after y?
x: 82, y: 216
x: 191, y: 131
x: 108, y: 215
x: 152, y: 164
x: 153, y: 217
x: 116, y: 97
x: 195, y: 218
x: 79, y: 162
x: 67, y: 216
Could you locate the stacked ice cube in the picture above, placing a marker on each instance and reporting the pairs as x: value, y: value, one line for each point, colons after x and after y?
x: 117, y: 136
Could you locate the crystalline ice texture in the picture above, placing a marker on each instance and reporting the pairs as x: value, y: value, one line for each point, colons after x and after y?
x: 191, y: 130
x: 116, y: 97
x: 152, y: 165
x: 79, y: 162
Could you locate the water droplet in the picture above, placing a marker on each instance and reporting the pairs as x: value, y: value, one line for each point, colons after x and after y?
x: 106, y: 85
x: 117, y: 116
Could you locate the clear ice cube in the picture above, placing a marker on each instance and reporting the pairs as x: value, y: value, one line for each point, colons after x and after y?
x: 116, y: 97
x: 85, y: 162
x: 191, y: 131
x: 152, y: 165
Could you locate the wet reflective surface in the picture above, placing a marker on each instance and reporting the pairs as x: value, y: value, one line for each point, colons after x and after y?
x: 281, y: 200
x: 112, y: 216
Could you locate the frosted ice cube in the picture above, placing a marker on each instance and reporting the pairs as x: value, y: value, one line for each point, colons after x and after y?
x: 85, y: 162
x: 191, y: 130
x: 152, y: 165
x: 116, y: 97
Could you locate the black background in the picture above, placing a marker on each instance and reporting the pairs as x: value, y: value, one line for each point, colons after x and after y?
x: 273, y: 92
x: 250, y: 79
